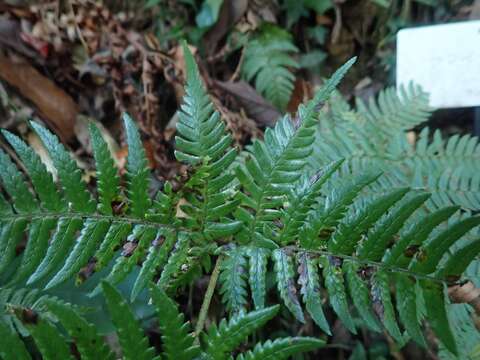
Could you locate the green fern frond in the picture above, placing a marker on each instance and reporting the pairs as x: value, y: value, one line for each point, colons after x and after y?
x: 134, y: 343
x: 178, y: 343
x: 222, y: 340
x: 267, y: 60
x: 445, y: 167
x: 281, y: 348
x: 202, y: 141
x: 277, y: 162
x: 341, y: 236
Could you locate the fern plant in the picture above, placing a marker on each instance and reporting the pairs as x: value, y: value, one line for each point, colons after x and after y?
x: 447, y: 168
x: 326, y: 235
x: 268, y: 60
x: 177, y: 340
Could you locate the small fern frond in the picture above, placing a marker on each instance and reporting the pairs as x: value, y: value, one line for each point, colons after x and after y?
x: 130, y: 335
x: 224, y: 339
x: 203, y: 142
x: 88, y: 342
x: 267, y: 60
x: 281, y: 348
x: 275, y: 163
x: 177, y: 341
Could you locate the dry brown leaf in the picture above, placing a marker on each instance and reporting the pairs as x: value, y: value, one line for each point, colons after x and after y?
x: 255, y: 105
x: 54, y: 104
x: 230, y: 12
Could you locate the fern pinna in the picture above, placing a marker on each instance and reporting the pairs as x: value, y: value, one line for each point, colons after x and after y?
x: 323, y: 236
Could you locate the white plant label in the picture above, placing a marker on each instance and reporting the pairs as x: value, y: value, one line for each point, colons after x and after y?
x: 444, y: 60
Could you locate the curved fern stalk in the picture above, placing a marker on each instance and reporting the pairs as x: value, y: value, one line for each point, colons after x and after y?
x: 281, y: 348
x: 276, y: 162
x: 268, y: 59
x: 202, y: 142
x: 221, y: 341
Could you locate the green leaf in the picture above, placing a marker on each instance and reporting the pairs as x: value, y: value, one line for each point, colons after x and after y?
x: 233, y: 279
x: 432, y: 253
x: 268, y: 60
x: 14, y: 184
x: 257, y: 270
x: 178, y: 343
x: 360, y: 295
x: 458, y: 262
x: 336, y: 206
x: 156, y: 258
x: 114, y: 237
x: 36, y: 248
x: 10, y: 236
x: 74, y: 187
x: 373, y: 248
x: 382, y: 304
x: 133, y: 252
x: 418, y: 233
x: 301, y: 200
x: 348, y: 233
x: 221, y: 341
x: 281, y: 348
x: 41, y: 179
x: 49, y: 341
x: 310, y: 289
x: 433, y: 293
x: 334, y: 282
x: 59, y: 247
x: 178, y: 257
x: 208, y: 14
x: 137, y: 171
x: 108, y: 181
x: 11, y: 347
x: 285, y: 277
x: 132, y: 339
x: 92, y: 233
x: 88, y: 342
x: 407, y: 307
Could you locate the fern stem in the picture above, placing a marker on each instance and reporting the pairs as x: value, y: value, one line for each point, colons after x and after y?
x: 208, y: 298
x: 380, y: 265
